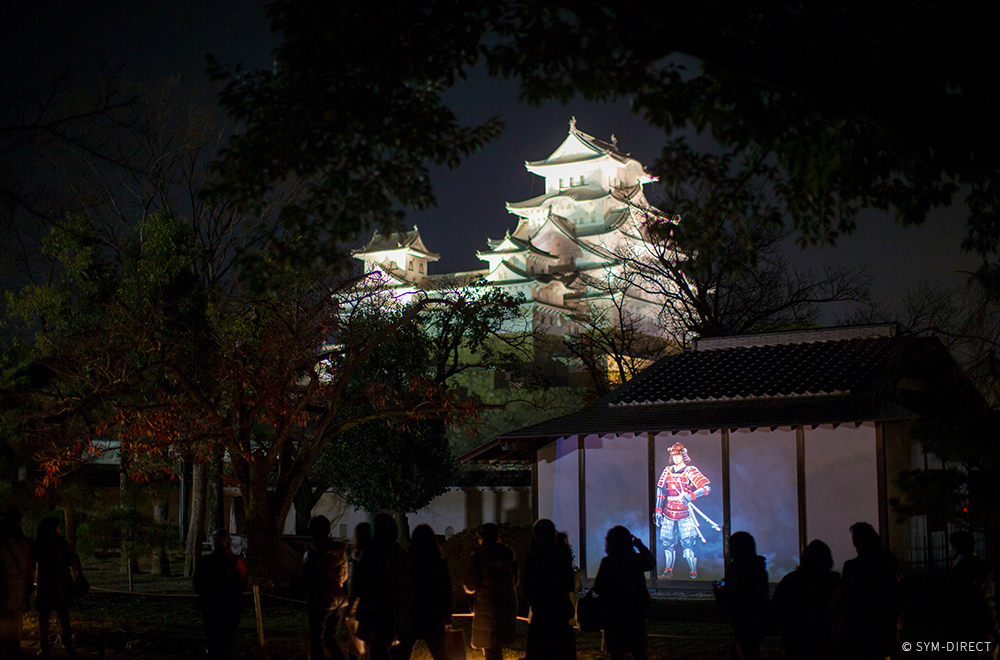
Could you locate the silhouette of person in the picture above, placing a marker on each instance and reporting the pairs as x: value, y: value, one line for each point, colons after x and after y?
x: 869, y: 598
x: 548, y: 584
x: 563, y: 539
x: 744, y: 593
x: 16, y: 581
x: 381, y: 584
x: 492, y: 578
x: 220, y: 578
x: 362, y: 539
x: 324, y: 572
x: 805, y: 604
x: 430, y: 600
x: 972, y: 595
x: 621, y: 586
x: 53, y: 557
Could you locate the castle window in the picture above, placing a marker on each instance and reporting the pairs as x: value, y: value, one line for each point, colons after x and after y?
x: 561, y: 182
x: 410, y: 265
x: 421, y: 267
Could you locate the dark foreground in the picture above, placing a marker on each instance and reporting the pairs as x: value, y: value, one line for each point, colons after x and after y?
x: 158, y: 621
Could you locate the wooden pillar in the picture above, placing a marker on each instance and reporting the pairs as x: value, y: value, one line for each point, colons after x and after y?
x: 473, y: 507
x: 497, y: 506
x: 534, y: 484
x: 883, y: 486
x: 726, y: 510
x: 800, y: 480
x: 651, y: 499
x: 582, y: 476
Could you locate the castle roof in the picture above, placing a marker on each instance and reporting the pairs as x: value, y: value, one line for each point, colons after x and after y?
x: 409, y: 240
x: 579, y: 147
x: 582, y: 194
x: 517, y: 246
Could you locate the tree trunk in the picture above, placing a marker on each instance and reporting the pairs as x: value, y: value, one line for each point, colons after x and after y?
x: 69, y: 524
x: 217, y: 511
x: 196, y: 528
x: 266, y: 511
x: 126, y: 500
x: 184, y: 517
x: 264, y: 527
x: 161, y: 516
x: 303, y: 508
x: 403, y: 523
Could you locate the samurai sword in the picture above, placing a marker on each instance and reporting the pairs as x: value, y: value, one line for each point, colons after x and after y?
x: 697, y: 527
x: 707, y: 519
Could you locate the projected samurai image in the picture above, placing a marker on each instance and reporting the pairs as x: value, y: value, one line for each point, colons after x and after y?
x: 675, y: 512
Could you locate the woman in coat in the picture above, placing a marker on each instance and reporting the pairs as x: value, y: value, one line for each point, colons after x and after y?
x: 430, y: 595
x: 492, y: 578
x: 549, y: 583
x: 382, y: 586
x: 805, y: 604
x: 324, y: 573
x: 53, y: 557
x: 744, y: 595
x: 621, y: 587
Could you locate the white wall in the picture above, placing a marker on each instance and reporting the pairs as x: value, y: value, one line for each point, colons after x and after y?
x: 764, y: 495
x: 617, y: 490
x: 446, y: 514
x: 559, y: 487
x: 841, y: 489
x: 841, y: 485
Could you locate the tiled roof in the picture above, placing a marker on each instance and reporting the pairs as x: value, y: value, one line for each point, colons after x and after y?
x: 452, y: 280
x: 582, y: 194
x: 807, y: 368
x: 520, y: 246
x: 395, y: 241
x: 810, y: 378
x: 598, y: 148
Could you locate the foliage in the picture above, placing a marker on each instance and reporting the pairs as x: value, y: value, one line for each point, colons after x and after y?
x: 41, y: 119
x: 850, y: 99
x: 616, y: 344
x: 719, y: 264
x: 408, y: 462
x: 386, y: 465
x: 143, y: 354
x: 965, y: 490
x: 960, y: 430
x: 512, y: 408
x: 125, y: 530
x: 353, y: 108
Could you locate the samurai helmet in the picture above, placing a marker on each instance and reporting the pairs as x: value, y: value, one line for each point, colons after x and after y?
x: 678, y: 448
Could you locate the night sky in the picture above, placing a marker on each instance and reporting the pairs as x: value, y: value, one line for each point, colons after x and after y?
x: 152, y: 40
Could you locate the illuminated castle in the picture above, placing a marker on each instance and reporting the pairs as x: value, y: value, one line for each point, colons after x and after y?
x: 563, y: 255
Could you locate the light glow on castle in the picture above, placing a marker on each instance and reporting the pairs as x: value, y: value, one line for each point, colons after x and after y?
x: 564, y: 255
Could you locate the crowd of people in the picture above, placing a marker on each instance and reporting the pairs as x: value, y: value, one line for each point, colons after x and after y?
x: 386, y: 598
x: 398, y: 597
x: 46, y: 566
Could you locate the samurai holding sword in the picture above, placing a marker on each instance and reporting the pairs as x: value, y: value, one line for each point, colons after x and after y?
x: 679, y: 485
